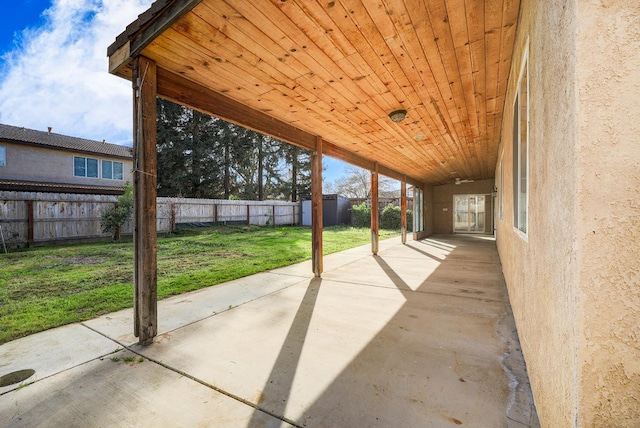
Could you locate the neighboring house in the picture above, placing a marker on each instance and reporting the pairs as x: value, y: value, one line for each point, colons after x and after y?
x: 39, y: 161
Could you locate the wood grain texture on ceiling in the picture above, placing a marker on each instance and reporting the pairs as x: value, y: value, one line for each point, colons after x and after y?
x: 336, y: 69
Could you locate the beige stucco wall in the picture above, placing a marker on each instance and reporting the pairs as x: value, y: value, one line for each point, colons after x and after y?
x: 443, y: 203
x: 541, y: 271
x: 608, y: 204
x: 573, y: 280
x: 33, y: 163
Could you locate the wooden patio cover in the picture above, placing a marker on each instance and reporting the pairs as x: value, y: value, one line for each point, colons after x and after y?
x: 325, y: 75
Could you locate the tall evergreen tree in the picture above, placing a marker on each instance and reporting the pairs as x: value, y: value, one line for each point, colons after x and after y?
x: 188, y: 153
x: 170, y: 148
x: 204, y: 157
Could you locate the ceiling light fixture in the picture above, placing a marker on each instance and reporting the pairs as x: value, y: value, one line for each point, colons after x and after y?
x: 419, y: 137
x: 397, y: 115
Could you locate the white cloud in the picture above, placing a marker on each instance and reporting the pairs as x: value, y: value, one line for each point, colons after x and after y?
x: 58, y: 76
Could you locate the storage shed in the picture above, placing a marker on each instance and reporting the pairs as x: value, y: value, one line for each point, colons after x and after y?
x: 335, y: 210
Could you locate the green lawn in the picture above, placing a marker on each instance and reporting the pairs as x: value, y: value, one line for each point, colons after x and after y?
x: 46, y: 287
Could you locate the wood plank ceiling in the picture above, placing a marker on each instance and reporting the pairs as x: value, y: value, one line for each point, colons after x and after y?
x: 336, y: 69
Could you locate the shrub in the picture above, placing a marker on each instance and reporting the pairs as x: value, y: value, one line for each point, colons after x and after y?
x: 390, y: 218
x: 361, y: 215
x: 116, y: 215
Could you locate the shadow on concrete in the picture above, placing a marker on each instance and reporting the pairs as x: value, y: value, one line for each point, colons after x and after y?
x: 393, y: 276
x: 276, y: 392
x: 436, y: 362
x: 424, y: 253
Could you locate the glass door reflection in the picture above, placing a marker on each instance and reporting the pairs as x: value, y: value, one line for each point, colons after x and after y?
x: 469, y: 214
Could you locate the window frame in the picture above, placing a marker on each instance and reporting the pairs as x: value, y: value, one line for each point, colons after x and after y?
x: 115, y: 175
x: 501, y: 188
x: 113, y: 170
x: 86, y: 167
x: 102, y: 173
x: 418, y: 211
x: 520, y: 189
x: 3, y: 155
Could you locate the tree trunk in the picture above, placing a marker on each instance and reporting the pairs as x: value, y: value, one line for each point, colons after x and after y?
x: 294, y: 174
x: 260, y: 178
x: 227, y: 171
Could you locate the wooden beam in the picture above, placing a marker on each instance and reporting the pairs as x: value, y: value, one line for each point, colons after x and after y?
x: 334, y: 151
x: 119, y: 59
x: 375, y: 215
x: 188, y: 93
x: 144, y: 178
x: 140, y: 33
x: 159, y: 22
x: 403, y: 210
x: 316, y: 208
x: 183, y: 91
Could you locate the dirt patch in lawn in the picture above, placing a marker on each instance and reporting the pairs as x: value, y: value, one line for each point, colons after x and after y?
x: 229, y: 254
x: 77, y: 260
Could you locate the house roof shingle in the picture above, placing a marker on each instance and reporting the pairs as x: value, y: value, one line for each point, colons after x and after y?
x: 143, y: 19
x: 16, y: 134
x: 41, y: 186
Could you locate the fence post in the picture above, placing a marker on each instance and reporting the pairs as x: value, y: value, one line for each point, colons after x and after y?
x: 116, y: 233
x: 173, y: 216
x: 215, y: 213
x: 248, y: 215
x: 273, y: 210
x: 30, y: 224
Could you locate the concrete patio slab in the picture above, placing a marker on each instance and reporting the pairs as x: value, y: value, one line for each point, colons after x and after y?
x: 116, y: 393
x: 178, y: 311
x: 336, y: 260
x: 352, y: 355
x: 52, y: 351
x: 421, y: 335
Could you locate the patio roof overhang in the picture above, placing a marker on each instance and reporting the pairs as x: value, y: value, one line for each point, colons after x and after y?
x: 325, y: 77
x: 299, y: 70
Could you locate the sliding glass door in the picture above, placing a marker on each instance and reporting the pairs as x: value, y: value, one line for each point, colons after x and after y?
x: 469, y: 214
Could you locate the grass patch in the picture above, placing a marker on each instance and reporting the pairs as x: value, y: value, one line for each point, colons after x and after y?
x: 46, y: 287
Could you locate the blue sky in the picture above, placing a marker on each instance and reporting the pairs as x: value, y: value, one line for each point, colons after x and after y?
x: 17, y: 16
x: 53, y: 69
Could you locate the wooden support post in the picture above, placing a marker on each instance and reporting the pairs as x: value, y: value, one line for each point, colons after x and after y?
x: 145, y: 242
x: 403, y: 210
x: 273, y: 215
x: 375, y: 214
x: 30, y: 224
x: 215, y: 214
x: 316, y: 208
x: 248, y: 215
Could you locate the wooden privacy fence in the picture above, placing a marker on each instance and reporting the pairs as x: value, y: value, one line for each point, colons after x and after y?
x: 173, y: 211
x: 29, y: 218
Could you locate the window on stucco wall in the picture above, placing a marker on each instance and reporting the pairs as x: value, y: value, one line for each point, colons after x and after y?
x: 501, y: 188
x: 3, y: 156
x: 85, y: 167
x: 521, y: 151
x: 112, y: 170
x: 418, y: 212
